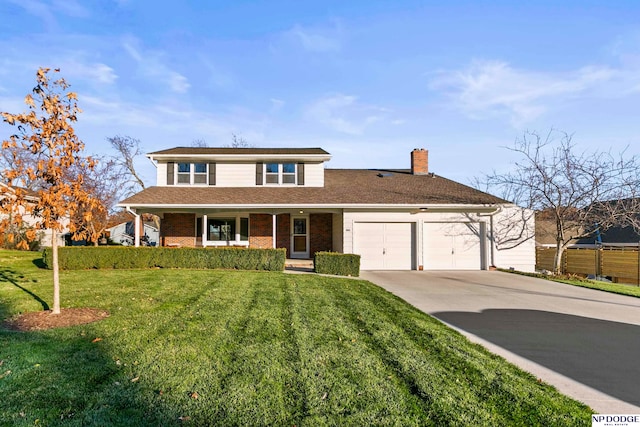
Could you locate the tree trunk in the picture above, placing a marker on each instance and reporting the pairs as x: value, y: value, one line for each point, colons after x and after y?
x: 56, y: 275
x: 557, y: 260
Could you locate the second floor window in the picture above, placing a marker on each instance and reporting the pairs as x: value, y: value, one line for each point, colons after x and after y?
x: 192, y: 173
x: 199, y: 173
x: 184, y: 173
x: 280, y: 173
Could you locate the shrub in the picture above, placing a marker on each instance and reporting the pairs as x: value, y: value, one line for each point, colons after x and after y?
x: 337, y: 263
x: 123, y: 257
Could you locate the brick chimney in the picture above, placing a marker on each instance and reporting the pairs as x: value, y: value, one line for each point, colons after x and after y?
x: 420, y: 161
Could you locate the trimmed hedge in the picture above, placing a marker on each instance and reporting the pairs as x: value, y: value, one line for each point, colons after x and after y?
x: 336, y: 263
x: 124, y: 257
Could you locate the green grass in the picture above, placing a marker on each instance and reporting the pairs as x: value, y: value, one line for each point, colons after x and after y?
x: 614, y: 288
x: 256, y: 348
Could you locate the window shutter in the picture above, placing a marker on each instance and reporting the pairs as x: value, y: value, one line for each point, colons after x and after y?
x: 170, y: 180
x: 300, y: 173
x: 212, y: 174
x: 259, y: 169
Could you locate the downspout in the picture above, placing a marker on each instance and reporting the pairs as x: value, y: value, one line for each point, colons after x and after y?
x: 136, y: 226
x: 491, y: 234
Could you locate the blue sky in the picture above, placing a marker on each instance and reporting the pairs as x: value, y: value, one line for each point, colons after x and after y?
x: 366, y: 80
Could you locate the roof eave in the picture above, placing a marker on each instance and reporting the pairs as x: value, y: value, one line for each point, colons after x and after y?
x: 243, y: 157
x: 417, y: 208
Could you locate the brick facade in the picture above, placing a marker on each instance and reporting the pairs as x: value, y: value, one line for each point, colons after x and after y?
x: 178, y: 229
x: 283, y: 232
x: 320, y: 232
x: 420, y: 162
x: 260, y: 231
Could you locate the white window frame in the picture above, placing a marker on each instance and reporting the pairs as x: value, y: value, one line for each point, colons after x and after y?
x: 192, y: 173
x: 237, y: 241
x: 281, y: 173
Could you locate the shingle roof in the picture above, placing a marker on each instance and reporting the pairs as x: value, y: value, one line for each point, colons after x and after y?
x: 248, y: 151
x: 342, y: 187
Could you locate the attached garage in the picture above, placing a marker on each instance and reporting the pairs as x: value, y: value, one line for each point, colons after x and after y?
x: 453, y: 245
x: 385, y: 245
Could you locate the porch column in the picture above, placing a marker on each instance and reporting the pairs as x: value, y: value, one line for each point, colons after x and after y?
x: 273, y: 230
x: 136, y: 226
x: 204, y: 229
x: 137, y: 231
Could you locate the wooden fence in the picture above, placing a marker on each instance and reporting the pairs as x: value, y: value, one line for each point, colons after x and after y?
x: 622, y: 265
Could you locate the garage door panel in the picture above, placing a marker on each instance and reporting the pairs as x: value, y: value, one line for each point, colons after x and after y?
x: 452, y: 246
x: 384, y: 246
x: 369, y: 243
x: 398, y: 246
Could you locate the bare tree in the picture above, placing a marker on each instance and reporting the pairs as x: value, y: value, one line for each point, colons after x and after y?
x: 128, y: 149
x: 239, y: 142
x: 199, y: 143
x: 581, y: 193
x: 104, y: 182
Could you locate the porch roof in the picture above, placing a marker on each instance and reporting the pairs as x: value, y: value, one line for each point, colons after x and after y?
x: 383, y: 188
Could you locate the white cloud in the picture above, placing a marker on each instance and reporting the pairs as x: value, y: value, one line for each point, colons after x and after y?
x: 152, y: 64
x: 494, y: 88
x: 94, y: 72
x: 316, y: 40
x: 276, y: 105
x: 343, y: 113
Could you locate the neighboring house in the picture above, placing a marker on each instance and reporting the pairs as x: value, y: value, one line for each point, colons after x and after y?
x: 285, y: 198
x: 124, y: 233
x: 613, y: 237
x: 44, y: 235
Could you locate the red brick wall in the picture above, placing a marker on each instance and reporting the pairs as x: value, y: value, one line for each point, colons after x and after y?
x: 283, y: 232
x: 320, y: 232
x: 420, y: 162
x: 178, y: 229
x: 260, y: 231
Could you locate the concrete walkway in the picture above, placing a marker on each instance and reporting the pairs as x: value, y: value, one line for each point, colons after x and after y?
x: 584, y: 342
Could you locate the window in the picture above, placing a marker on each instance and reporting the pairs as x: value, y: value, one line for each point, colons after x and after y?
x: 222, y: 229
x: 288, y: 173
x: 184, y: 173
x: 200, y: 173
x: 191, y: 173
x: 244, y: 229
x: 271, y: 173
x: 280, y: 173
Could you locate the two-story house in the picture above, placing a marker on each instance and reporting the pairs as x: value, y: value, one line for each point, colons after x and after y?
x: 287, y: 198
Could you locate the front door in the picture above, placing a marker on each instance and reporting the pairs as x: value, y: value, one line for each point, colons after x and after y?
x: 299, y: 237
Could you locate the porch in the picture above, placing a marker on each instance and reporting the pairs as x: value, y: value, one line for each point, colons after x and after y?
x: 300, y: 232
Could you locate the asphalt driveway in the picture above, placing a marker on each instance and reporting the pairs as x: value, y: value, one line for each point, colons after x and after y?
x: 584, y: 342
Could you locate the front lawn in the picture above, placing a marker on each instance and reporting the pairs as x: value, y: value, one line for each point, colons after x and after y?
x: 196, y: 347
x: 614, y: 288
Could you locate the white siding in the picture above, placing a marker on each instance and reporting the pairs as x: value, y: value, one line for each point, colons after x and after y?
x: 514, y: 230
x: 244, y: 174
x: 235, y: 174
x: 314, y: 175
x: 162, y: 174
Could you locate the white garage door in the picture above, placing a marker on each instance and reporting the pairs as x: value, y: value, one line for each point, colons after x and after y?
x: 384, y: 246
x: 452, y: 246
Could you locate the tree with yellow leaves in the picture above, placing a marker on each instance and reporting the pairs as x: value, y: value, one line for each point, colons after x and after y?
x: 45, y: 132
